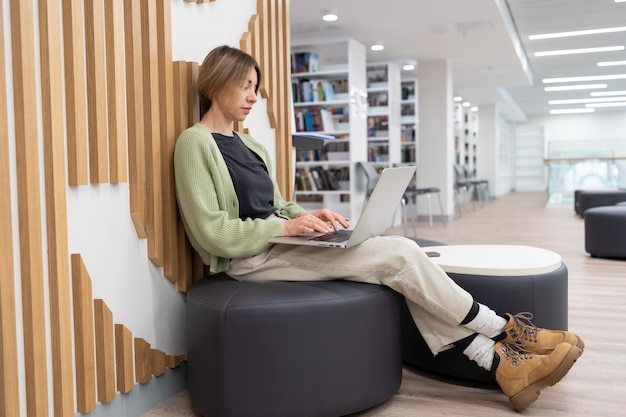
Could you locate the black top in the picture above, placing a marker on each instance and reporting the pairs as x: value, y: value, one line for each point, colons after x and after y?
x: 252, y: 182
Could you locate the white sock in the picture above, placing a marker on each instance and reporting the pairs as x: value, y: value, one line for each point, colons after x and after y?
x: 481, y: 351
x: 487, y: 322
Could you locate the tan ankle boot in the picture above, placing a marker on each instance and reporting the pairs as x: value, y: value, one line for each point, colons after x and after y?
x: 520, y: 330
x: 522, y: 374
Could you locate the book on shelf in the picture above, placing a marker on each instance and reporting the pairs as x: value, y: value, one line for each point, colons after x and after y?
x: 304, y: 62
x: 307, y: 90
x: 316, y: 119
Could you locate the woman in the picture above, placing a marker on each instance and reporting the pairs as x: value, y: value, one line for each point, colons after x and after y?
x: 231, y: 205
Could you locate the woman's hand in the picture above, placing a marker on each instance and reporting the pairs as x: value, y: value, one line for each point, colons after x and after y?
x: 322, y: 221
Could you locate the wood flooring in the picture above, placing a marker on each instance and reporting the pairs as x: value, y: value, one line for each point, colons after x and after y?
x: 595, y: 386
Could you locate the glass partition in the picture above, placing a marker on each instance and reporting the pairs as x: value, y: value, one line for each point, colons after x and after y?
x: 577, y: 165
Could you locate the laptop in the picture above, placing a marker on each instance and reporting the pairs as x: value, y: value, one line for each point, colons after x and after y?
x: 376, y: 217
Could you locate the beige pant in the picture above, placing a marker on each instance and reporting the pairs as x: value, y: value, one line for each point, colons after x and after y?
x: 437, y: 304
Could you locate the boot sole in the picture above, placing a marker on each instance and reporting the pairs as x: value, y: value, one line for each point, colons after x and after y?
x: 530, y: 394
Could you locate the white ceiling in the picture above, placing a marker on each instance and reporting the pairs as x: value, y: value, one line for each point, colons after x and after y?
x: 485, y: 41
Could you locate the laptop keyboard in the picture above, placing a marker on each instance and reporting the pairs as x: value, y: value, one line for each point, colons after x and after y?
x: 337, y: 236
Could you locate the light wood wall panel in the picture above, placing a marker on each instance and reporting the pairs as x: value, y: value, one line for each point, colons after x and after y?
x: 9, y: 390
x: 75, y: 102
x: 96, y: 91
x: 120, y: 91
x: 84, y: 343
x: 158, y: 362
x: 56, y: 213
x: 28, y: 195
x: 114, y: 27
x: 168, y: 136
x: 134, y: 112
x: 105, y: 351
x: 182, y: 253
x: 124, y: 359
x: 154, y: 196
x: 143, y: 361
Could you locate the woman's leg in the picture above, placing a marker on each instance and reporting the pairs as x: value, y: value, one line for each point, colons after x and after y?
x: 436, y: 302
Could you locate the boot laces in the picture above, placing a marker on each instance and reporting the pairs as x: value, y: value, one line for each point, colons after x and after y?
x: 516, y: 353
x: 523, y: 328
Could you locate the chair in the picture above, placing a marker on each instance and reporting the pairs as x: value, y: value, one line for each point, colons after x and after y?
x: 413, y: 191
x: 410, y: 195
x: 481, y: 187
x: 463, y: 189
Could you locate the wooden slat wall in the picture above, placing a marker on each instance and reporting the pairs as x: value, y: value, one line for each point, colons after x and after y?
x: 120, y: 90
x: 9, y: 390
x: 143, y: 361
x: 29, y: 207
x: 75, y: 102
x: 56, y: 214
x: 96, y: 87
x: 105, y: 351
x: 152, y: 129
x: 124, y: 359
x: 84, y: 343
x: 135, y: 111
x: 168, y: 136
x: 114, y: 29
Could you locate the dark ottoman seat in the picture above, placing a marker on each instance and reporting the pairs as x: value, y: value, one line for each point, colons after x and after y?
x: 288, y: 349
x: 599, y: 198
x: 542, y: 293
x: 605, y: 231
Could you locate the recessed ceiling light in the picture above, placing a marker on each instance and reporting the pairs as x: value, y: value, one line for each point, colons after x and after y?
x: 377, y: 47
x: 572, y: 111
x: 474, y: 109
x: 330, y: 16
x: 458, y: 99
x: 611, y: 63
x: 607, y: 93
x: 580, y: 51
x: 575, y: 87
x: 616, y: 104
x: 466, y: 104
x: 584, y: 78
x: 408, y: 67
x: 586, y: 100
x: 578, y: 32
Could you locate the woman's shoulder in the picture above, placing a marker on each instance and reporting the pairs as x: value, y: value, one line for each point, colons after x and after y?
x: 194, y: 136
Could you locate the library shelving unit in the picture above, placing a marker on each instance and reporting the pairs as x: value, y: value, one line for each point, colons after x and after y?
x: 465, y: 137
x: 408, y: 121
x: 383, y: 114
x: 330, y: 98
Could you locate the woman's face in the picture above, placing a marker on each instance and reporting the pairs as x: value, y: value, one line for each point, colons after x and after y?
x: 236, y: 102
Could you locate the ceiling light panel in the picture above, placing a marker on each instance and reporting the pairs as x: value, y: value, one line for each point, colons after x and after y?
x: 580, y: 50
x: 575, y: 87
x: 578, y: 33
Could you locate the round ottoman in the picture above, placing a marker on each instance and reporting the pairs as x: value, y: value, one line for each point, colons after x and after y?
x: 599, y: 198
x: 605, y: 231
x: 507, y: 278
x: 291, y: 348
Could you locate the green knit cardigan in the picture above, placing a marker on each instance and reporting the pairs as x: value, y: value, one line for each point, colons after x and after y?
x: 209, y: 206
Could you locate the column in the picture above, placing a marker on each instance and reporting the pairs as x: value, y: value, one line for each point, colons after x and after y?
x: 435, y: 132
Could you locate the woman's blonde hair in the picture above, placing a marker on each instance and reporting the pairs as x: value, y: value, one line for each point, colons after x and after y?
x: 223, y: 68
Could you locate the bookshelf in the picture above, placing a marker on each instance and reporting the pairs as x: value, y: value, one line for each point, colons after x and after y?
x: 383, y: 114
x: 465, y: 137
x: 329, y: 98
x: 408, y: 121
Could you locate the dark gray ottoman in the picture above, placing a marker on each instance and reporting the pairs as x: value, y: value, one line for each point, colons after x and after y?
x: 605, y: 231
x: 291, y: 349
x: 506, y: 290
x: 599, y: 198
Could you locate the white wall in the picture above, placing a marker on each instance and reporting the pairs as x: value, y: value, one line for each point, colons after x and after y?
x: 580, y: 127
x: 99, y: 225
